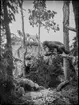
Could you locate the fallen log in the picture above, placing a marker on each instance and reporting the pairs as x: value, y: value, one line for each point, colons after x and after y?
x: 29, y: 85
x: 62, y: 85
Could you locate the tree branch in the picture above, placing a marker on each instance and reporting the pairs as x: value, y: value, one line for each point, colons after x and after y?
x: 66, y: 56
x: 70, y: 28
x: 62, y: 85
x: 62, y: 55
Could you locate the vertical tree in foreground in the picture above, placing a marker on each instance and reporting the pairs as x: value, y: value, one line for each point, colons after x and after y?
x: 66, y: 37
x: 76, y: 15
x: 23, y: 33
x: 8, y: 36
x: 8, y: 10
x: 66, y: 29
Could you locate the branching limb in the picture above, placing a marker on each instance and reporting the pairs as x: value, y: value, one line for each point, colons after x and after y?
x: 66, y: 56
x: 70, y: 28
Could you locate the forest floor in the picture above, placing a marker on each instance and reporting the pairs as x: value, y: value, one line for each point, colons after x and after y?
x: 67, y: 96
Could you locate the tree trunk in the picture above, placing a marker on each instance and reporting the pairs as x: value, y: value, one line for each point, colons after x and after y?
x: 39, y: 37
x: 8, y: 37
x: 24, y: 42
x: 0, y: 44
x: 75, y: 10
x: 66, y: 37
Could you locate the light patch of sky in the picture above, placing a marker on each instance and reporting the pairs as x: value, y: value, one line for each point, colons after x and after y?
x: 44, y: 35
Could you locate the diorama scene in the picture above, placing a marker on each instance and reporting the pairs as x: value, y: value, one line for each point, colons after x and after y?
x: 38, y: 52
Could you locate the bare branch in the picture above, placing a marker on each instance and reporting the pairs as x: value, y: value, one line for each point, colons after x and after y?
x: 70, y: 28
x: 66, y: 56
x: 62, y: 55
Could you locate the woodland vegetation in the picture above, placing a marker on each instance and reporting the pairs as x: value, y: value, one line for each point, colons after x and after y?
x: 41, y: 73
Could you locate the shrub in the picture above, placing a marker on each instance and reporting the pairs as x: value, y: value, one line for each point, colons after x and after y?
x: 45, y: 74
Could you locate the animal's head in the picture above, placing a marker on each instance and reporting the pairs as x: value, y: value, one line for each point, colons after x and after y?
x: 45, y: 45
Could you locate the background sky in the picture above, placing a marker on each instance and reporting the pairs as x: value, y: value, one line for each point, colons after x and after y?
x: 44, y: 35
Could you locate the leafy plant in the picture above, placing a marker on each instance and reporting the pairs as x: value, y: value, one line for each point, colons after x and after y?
x: 43, y: 74
x: 40, y: 15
